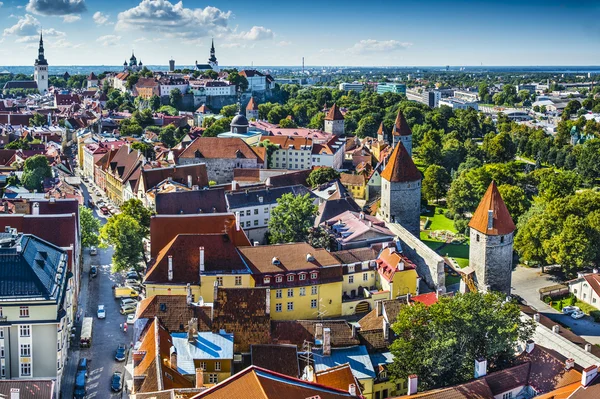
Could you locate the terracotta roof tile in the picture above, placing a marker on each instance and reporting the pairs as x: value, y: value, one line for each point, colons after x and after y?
x: 284, y: 142
x: 174, y: 312
x: 218, y: 148
x: 352, y: 180
x: 334, y: 114
x: 282, y: 359
x: 291, y: 257
x: 191, y: 202
x: 297, y: 331
x: 400, y: 166
x: 502, y: 223
x: 177, y: 173
x: 337, y: 377
x: 401, y: 128
x: 252, y: 105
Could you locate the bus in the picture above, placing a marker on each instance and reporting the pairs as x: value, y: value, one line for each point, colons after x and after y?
x: 86, y: 332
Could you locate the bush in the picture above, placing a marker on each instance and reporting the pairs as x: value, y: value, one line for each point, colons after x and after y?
x: 440, y: 211
x: 596, y: 315
x: 449, y: 215
x: 559, y: 304
x: 547, y: 299
x: 572, y: 300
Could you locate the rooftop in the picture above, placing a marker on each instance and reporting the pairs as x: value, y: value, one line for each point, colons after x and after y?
x: 492, y: 205
x: 205, y: 346
x: 356, y: 356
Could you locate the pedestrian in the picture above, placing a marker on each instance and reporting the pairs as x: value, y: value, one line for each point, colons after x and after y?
x: 120, y: 326
x: 125, y: 327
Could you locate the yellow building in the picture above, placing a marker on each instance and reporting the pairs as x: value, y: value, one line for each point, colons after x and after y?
x: 397, y: 274
x: 125, y: 165
x: 304, y: 282
x: 356, y: 184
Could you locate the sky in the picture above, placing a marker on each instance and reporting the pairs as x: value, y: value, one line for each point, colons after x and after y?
x: 325, y: 32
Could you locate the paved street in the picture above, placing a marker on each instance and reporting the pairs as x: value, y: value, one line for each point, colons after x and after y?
x: 527, y: 281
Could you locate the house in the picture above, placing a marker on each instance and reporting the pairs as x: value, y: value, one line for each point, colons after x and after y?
x: 282, y: 359
x: 356, y: 184
x: 258, y: 383
x: 257, y: 81
x: 121, y: 168
x: 147, y: 87
x: 221, y: 156
x: 191, y: 202
x: 28, y: 389
x: 298, y: 332
x: 586, y: 287
x: 291, y: 153
x: 174, y: 312
x: 397, y: 274
x: 335, y: 200
x: 357, y: 229
x: 191, y: 176
x: 303, y: 281
x: 337, y: 377
x: 37, y: 308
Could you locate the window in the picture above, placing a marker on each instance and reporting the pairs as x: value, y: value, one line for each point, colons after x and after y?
x: 24, y: 311
x: 238, y: 280
x: 1, y: 313
x: 2, y: 351
x: 266, y: 221
x: 220, y: 281
x: 267, y: 210
x: 313, y: 290
x: 594, y: 300
x: 313, y: 303
x: 278, y: 279
x: 575, y: 291
x: 256, y: 222
x: 278, y: 307
x: 313, y: 275
x: 2, y: 371
x: 217, y: 366
x: 302, y: 276
x: 25, y: 350
x: 256, y: 211
x: 290, y: 306
x: 302, y: 291
x: 290, y: 292
x: 502, y: 240
x: 477, y: 238
x: 248, y: 212
x: 351, y: 279
x: 290, y: 277
x: 212, y: 379
x: 277, y: 293
x: 507, y: 395
x: 365, y: 276
x: 1, y: 333
x: 24, y: 331
x: 25, y: 369
x: 248, y: 223
x: 350, y: 268
x: 203, y: 366
x: 267, y: 280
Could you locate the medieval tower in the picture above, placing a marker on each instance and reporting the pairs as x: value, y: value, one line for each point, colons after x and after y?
x: 491, y: 250
x: 401, y: 133
x: 401, y: 191
x: 334, y: 121
x: 252, y: 110
x: 40, y: 72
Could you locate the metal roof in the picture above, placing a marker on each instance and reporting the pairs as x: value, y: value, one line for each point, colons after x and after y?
x: 357, y: 356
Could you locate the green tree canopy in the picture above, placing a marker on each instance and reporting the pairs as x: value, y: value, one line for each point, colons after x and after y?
x: 135, y: 208
x: 435, y: 182
x: 35, y: 170
x: 125, y: 234
x: 292, y: 219
x: 322, y: 175
x: 440, y: 343
x: 287, y: 123
x: 238, y: 80
x: 229, y: 110
x: 176, y: 98
x: 499, y: 147
x: 38, y: 120
x: 145, y: 148
x: 90, y: 227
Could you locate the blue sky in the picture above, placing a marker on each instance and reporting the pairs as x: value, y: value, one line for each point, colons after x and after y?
x: 334, y: 32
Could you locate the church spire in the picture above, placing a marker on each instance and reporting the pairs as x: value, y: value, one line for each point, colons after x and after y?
x: 212, y: 58
x: 41, y: 60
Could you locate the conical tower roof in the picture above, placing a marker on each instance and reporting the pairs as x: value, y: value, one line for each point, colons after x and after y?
x: 400, y: 167
x: 492, y: 205
x: 334, y: 114
x: 381, y: 130
x: 401, y: 127
x: 252, y: 105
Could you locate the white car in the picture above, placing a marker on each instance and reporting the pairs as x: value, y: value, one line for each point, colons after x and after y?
x: 93, y: 251
x: 128, y: 301
x: 101, y: 312
x: 130, y: 318
x: 570, y: 309
x: 578, y: 314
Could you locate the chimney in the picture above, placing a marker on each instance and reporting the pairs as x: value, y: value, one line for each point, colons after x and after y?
x: 588, y: 375
x: 35, y: 208
x: 191, y: 330
x: 536, y: 317
x: 318, y: 331
x: 326, y: 342
x: 14, y: 393
x: 170, y: 268
x: 556, y: 328
x: 490, y: 219
x: 268, y: 300
x: 199, y: 378
x: 529, y: 346
x: 480, y: 367
x: 201, y: 260
x: 352, y: 389
x: 353, y: 326
x: 234, y: 185
x: 173, y: 358
x: 569, y: 363
x: 215, y: 291
x: 189, y: 180
x: 588, y: 347
x: 400, y: 265
x: 309, y: 374
x: 137, y: 357
x: 237, y: 221
x: 379, y: 307
x: 361, y: 215
x: 413, y: 382
x: 386, y: 329
x: 188, y: 291
x: 595, y: 270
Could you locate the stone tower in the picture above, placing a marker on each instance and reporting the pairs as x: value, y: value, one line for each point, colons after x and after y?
x: 334, y: 121
x: 491, y: 250
x: 92, y: 80
x: 401, y: 133
x: 401, y: 191
x: 381, y: 133
x: 252, y: 110
x: 40, y: 72
x: 212, y: 60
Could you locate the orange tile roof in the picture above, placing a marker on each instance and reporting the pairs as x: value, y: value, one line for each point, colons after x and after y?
x: 502, y: 223
x: 252, y: 105
x: 381, y: 130
x: 337, y: 377
x: 401, y: 127
x: 388, y: 261
x: 291, y: 257
x: 216, y: 148
x: 285, y: 141
x: 400, y: 167
x: 334, y: 114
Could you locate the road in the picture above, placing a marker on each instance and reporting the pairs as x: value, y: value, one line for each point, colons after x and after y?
x: 106, y: 333
x: 527, y: 281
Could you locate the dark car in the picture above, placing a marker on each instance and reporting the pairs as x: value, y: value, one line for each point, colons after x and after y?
x: 83, y: 365
x: 116, y: 382
x: 121, y: 353
x: 94, y: 271
x: 132, y: 275
x: 80, y: 391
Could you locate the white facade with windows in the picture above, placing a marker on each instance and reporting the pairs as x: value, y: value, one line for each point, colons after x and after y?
x: 587, y: 289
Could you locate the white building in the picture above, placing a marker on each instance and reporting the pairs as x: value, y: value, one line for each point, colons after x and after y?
x: 257, y: 81
x: 457, y: 103
x: 330, y: 154
x: 355, y: 86
x: 40, y: 72
x: 471, y: 96
x: 586, y: 287
x: 169, y: 84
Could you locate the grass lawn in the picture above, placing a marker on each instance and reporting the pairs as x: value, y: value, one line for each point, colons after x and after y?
x: 438, y: 221
x: 459, y: 252
x: 452, y: 279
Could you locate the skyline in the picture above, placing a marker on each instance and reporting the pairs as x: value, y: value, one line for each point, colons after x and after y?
x: 93, y: 32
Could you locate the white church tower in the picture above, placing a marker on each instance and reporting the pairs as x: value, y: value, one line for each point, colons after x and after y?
x: 40, y: 73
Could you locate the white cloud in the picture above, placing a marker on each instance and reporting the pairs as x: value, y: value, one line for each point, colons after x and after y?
x: 56, y: 7
x: 174, y: 20
x: 52, y: 33
x: 63, y: 43
x: 231, y: 45
x: 256, y: 33
x: 27, y: 25
x: 284, y: 43
x: 377, y: 46
x: 141, y: 39
x: 71, y: 18
x: 100, y: 18
x: 109, y: 40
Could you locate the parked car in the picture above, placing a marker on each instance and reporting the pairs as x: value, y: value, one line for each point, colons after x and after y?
x: 93, y: 270
x: 101, y: 312
x: 116, y: 382
x: 125, y: 292
x: 132, y: 275
x: 83, y: 365
x: 131, y: 318
x: 93, y: 251
x: 121, y: 353
x: 578, y: 314
x: 126, y: 309
x: 128, y: 301
x: 79, y: 390
x: 570, y: 309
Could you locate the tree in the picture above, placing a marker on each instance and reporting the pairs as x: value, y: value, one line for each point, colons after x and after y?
x: 145, y: 148
x: 367, y: 127
x: 571, y: 108
x: 435, y: 182
x: 440, y: 343
x: 132, y: 79
x: 90, y: 227
x: 154, y: 102
x: 515, y: 199
x: 167, y: 109
x: 125, y: 234
x: 136, y: 209
x: 499, y: 147
x: 287, y: 123
x: 229, y: 110
x: 318, y: 237
x: 238, y: 80
x: 276, y: 114
x: 19, y: 144
x: 167, y: 135
x: 322, y: 175
x: 523, y: 95
x: 176, y: 99
x: 38, y: 120
x: 220, y: 126
x: 130, y: 127
x: 292, y: 219
x: 430, y: 150
x: 317, y: 121
x: 35, y: 170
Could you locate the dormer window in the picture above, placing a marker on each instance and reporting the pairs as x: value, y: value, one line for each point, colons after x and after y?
x: 278, y: 279
x: 267, y: 280
x: 302, y: 276
x: 314, y: 275
x: 290, y: 277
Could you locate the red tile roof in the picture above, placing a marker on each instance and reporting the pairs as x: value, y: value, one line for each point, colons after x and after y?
x: 215, y: 148
x: 389, y: 261
x: 426, y: 299
x: 401, y: 127
x: 492, y: 201
x: 252, y: 105
x: 177, y: 173
x: 334, y: 114
x: 400, y: 167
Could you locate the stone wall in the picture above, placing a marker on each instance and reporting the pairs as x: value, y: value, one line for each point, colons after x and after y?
x: 401, y: 203
x: 492, y: 258
x: 220, y: 170
x: 430, y: 265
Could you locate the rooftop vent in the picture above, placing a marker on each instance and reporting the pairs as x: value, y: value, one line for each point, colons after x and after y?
x: 275, y: 261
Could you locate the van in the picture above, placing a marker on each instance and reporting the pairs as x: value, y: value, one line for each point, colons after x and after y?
x: 125, y: 292
x: 93, y: 251
x: 80, y: 392
x: 83, y: 365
